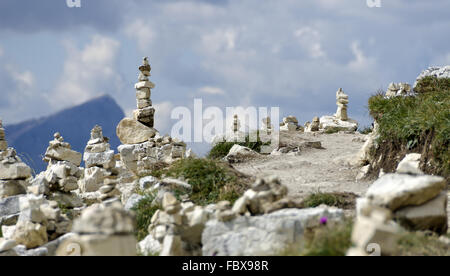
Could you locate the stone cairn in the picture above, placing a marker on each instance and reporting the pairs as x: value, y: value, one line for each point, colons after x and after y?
x: 398, y: 89
x: 63, y: 170
x: 407, y: 199
x: 145, y: 112
x: 177, y: 229
x: 267, y: 126
x: 236, y: 124
x: 100, y: 173
x: 342, y: 102
x: 13, y: 172
x: 289, y: 123
x: 143, y: 147
x: 340, y: 120
x: 314, y: 126
x: 101, y: 231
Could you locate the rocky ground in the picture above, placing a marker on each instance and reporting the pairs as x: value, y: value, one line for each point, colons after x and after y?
x: 312, y: 170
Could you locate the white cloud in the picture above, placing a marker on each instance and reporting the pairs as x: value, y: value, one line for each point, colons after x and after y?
x: 309, y: 39
x: 163, y: 122
x: 23, y: 79
x: 220, y: 40
x: 360, y: 61
x: 211, y: 90
x: 88, y: 72
x: 142, y: 32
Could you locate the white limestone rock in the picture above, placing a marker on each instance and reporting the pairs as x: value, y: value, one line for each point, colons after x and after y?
x: 30, y: 234
x: 410, y: 164
x: 331, y: 122
x: 131, y: 131
x: 262, y: 235
x: 432, y: 215
x: 394, y: 191
x: 239, y: 153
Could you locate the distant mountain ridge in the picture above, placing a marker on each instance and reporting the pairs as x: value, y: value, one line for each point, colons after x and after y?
x: 30, y: 138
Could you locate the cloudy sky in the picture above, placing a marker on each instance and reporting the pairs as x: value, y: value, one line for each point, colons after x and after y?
x: 287, y: 53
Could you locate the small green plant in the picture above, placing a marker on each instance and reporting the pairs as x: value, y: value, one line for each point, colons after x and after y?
x: 329, y: 240
x: 1, y: 233
x: 144, y: 210
x: 420, y: 244
x: 333, y: 130
x: 211, y: 180
x: 340, y: 200
x: 366, y: 130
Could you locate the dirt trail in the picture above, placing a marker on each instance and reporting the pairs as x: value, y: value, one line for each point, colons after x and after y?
x: 313, y: 170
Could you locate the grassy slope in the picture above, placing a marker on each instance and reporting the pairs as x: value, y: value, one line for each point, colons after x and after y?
x: 415, y: 124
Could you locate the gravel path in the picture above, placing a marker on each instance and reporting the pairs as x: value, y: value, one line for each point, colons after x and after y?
x: 324, y: 170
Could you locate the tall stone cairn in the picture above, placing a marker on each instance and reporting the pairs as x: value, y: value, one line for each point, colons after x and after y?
x: 144, y: 112
x: 342, y: 102
x: 3, y: 143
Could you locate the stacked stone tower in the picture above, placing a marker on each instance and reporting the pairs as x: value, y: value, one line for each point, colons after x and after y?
x: 144, y: 112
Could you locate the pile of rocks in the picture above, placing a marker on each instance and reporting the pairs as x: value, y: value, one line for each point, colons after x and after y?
x: 313, y: 126
x: 140, y: 129
x: 177, y: 229
x: 340, y: 120
x: 143, y: 147
x: 62, y: 174
x: 398, y: 89
x: 267, y: 126
x: 141, y: 158
x: 102, y: 231
x: 13, y: 172
x: 438, y: 72
x: 415, y: 201
x: 290, y: 123
x: 39, y: 222
x: 99, y: 161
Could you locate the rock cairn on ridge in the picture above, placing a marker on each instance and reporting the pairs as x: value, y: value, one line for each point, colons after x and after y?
x: 99, y: 161
x: 339, y: 121
x: 143, y: 147
x: 13, y: 172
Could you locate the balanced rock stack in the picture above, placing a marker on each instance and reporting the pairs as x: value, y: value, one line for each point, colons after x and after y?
x: 314, y: 126
x: 3, y: 142
x: 145, y: 112
x: 289, y: 123
x: 398, y: 89
x: 408, y: 198
x: 339, y: 121
x: 99, y: 161
x: 102, y: 231
x: 267, y: 126
x: 13, y: 172
x: 342, y: 102
x: 140, y: 129
x: 143, y: 147
x: 63, y: 170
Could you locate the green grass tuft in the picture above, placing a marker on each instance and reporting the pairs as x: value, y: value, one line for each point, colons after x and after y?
x: 340, y: 200
x: 419, y: 244
x: 144, y: 210
x: 212, y: 181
